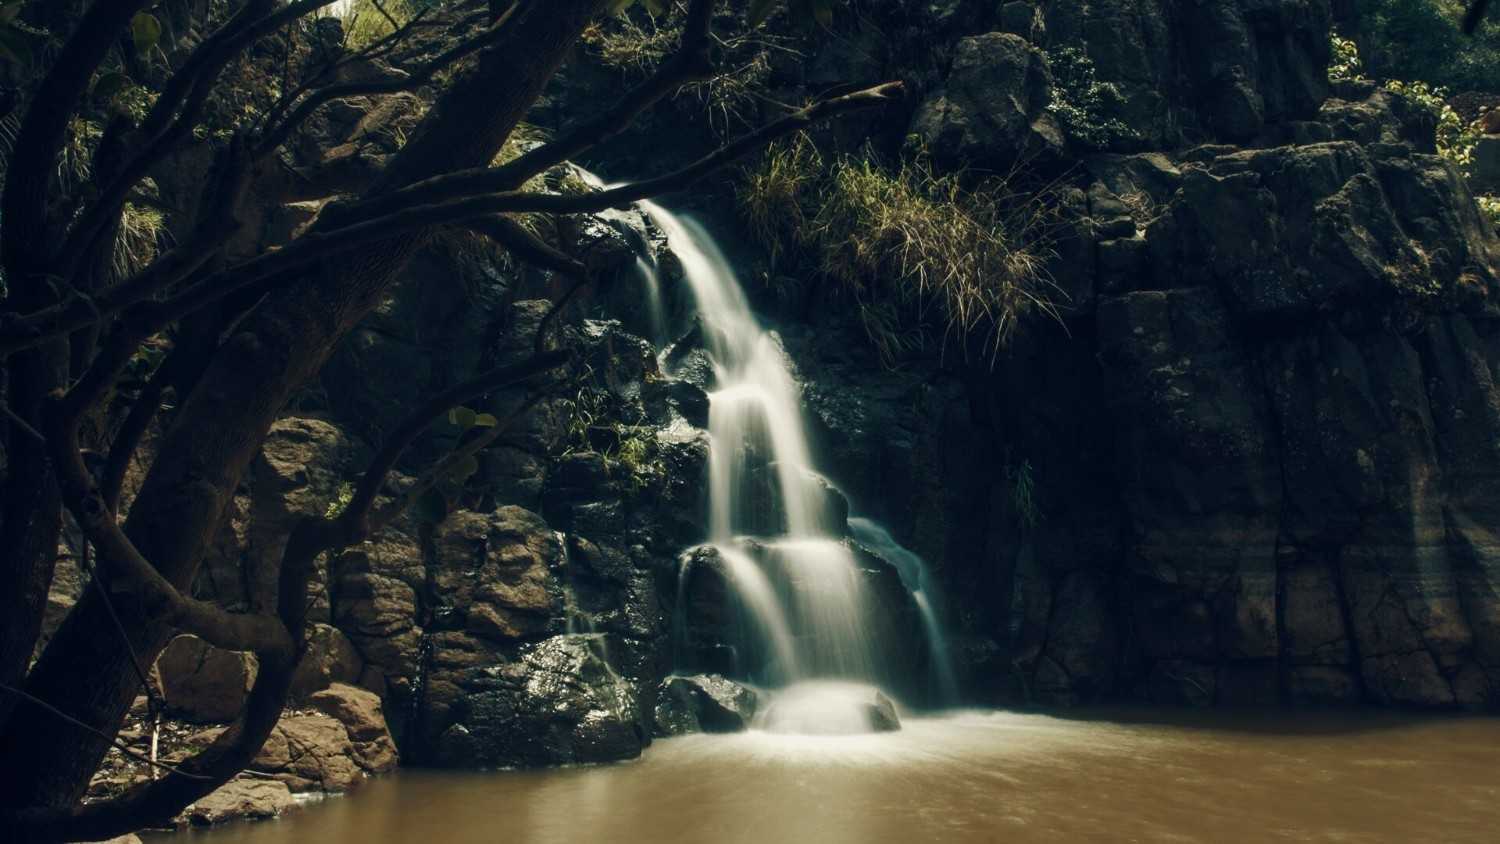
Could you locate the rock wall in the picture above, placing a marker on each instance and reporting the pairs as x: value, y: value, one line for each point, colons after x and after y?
x: 1254, y: 463
x: 1261, y: 445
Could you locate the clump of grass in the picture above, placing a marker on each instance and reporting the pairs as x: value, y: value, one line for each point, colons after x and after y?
x: 139, y: 239
x: 776, y: 195
x: 638, y: 45
x: 365, y: 22
x: 908, y: 236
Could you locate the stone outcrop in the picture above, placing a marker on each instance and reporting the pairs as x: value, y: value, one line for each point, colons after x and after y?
x: 706, y: 703
x: 559, y: 701
x: 993, y: 104
x: 199, y: 682
x: 242, y: 799
x: 1260, y: 456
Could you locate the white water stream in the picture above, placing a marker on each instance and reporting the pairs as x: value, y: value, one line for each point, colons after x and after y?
x: 758, y: 436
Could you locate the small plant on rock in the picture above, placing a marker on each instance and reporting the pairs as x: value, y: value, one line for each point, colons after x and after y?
x: 1080, y: 101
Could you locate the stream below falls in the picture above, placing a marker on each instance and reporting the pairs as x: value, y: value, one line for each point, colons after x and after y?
x: 969, y: 777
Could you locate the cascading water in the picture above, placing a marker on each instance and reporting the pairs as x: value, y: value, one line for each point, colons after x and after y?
x: 758, y: 448
x: 756, y: 429
x: 914, y: 575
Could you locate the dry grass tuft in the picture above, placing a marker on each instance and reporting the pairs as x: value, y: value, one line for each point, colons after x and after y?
x: 910, y: 238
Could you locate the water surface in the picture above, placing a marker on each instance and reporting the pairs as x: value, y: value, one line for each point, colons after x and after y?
x: 971, y: 777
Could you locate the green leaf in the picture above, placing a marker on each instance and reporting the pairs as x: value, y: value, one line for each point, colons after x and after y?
x: 463, y: 417
x: 759, y: 11
x: 431, y: 507
x: 110, y: 84
x: 618, y: 7
x: 485, y: 420
x: 656, y: 7
x: 464, y: 469
x: 145, y: 31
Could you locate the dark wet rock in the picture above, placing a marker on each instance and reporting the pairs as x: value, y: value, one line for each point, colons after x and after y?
x: 882, y: 714
x: 993, y: 105
x: 706, y: 703
x: 558, y: 702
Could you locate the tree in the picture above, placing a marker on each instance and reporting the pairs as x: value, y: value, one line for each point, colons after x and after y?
x: 248, y: 331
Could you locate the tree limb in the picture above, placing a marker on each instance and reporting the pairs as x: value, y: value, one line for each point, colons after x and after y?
x: 231, y: 631
x: 526, y: 246
x: 470, y: 202
x: 275, y: 135
x: 25, y: 237
x: 434, y: 408
x: 690, y: 63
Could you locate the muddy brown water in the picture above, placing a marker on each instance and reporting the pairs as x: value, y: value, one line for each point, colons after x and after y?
x: 971, y: 777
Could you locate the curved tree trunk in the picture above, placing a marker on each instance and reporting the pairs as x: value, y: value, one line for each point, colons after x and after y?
x: 219, y: 429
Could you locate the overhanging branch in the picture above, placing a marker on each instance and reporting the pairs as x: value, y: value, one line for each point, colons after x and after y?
x: 471, y: 199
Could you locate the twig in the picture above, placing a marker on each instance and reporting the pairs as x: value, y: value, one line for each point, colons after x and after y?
x: 20, y: 423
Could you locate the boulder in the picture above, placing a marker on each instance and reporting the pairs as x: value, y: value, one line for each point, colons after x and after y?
x: 492, y: 573
x: 240, y: 799
x: 330, y: 658
x: 360, y: 712
x: 310, y: 752
x: 202, y: 683
x: 703, y: 703
x: 992, y: 108
x: 558, y: 702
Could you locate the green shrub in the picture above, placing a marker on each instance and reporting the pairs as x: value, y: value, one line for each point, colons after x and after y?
x: 1080, y: 101
x: 1420, y: 39
x: 1455, y: 138
x: 1346, y: 65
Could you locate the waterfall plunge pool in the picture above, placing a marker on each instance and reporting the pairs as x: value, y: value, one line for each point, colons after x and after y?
x: 966, y: 777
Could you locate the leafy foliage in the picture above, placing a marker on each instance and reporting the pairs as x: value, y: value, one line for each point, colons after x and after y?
x: 1456, y: 139
x: 1490, y: 207
x: 907, y: 237
x: 1422, y: 39
x: 596, y: 423
x: 1346, y: 65
x: 1080, y: 101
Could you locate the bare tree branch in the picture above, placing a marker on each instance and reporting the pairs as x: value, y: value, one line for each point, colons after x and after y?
x: 690, y: 63
x: 431, y: 410
x: 276, y: 134
x: 526, y: 246
x: 471, y: 203
x: 162, y: 600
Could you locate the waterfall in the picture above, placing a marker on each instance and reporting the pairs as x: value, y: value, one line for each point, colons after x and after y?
x: 791, y: 570
x: 914, y: 574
